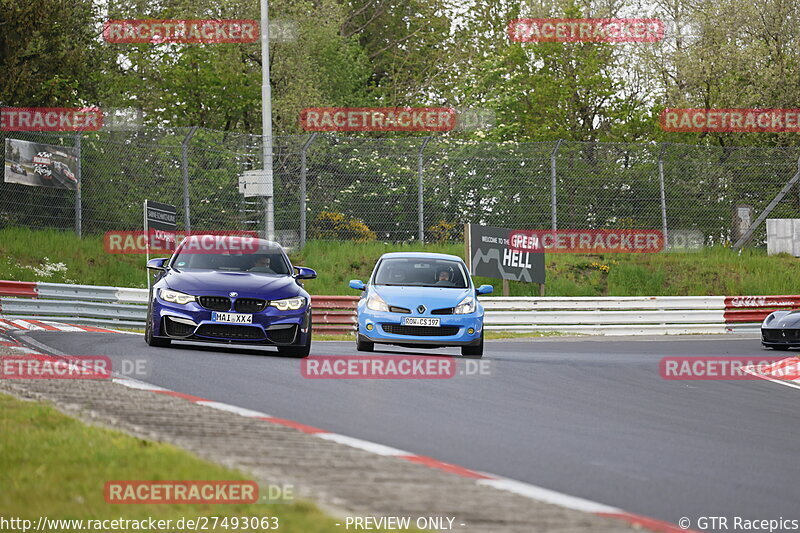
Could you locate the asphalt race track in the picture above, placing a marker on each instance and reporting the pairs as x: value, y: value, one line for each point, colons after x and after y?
x: 587, y: 417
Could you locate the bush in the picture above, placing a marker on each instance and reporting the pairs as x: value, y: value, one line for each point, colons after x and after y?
x: 445, y: 231
x: 336, y: 226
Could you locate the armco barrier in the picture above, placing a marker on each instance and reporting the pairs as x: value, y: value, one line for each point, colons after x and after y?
x: 745, y: 313
x: 635, y: 315
x: 18, y: 288
x: 334, y: 314
x: 125, y: 307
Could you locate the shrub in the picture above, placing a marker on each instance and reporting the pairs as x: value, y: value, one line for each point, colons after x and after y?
x: 330, y: 225
x: 445, y: 231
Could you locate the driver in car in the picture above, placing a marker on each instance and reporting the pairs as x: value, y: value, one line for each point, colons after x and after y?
x: 444, y: 278
x: 261, y: 264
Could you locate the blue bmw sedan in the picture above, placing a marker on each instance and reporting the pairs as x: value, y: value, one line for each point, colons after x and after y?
x: 422, y: 300
x: 231, y: 293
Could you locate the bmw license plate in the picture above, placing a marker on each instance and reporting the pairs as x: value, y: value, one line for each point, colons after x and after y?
x: 231, y: 318
x: 418, y: 321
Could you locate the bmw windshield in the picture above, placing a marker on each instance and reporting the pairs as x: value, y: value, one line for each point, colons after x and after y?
x: 421, y: 272
x: 229, y: 255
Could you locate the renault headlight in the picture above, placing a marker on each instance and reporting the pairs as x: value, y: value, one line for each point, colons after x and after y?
x: 466, y: 306
x: 176, y: 297
x: 376, y: 303
x: 289, y: 304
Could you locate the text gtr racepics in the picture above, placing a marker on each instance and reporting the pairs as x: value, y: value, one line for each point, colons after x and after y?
x: 250, y: 296
x: 421, y: 300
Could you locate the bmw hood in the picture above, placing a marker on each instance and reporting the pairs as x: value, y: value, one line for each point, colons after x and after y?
x: 246, y: 283
x: 430, y: 297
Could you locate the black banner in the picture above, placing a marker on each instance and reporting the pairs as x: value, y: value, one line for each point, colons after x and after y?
x: 493, y: 256
x: 160, y: 216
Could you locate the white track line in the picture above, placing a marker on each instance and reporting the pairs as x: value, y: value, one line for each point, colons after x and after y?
x: 365, y: 445
x: 136, y: 384
x: 249, y: 413
x: 548, y: 496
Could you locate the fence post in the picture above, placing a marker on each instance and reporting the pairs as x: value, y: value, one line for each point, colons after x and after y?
x: 764, y: 214
x: 303, y: 185
x: 78, y: 187
x: 553, y: 215
x: 420, y: 189
x: 663, y: 195
x: 187, y: 220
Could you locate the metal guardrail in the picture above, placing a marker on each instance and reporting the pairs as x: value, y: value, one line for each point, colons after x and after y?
x: 127, y: 308
x: 744, y: 314
x: 635, y: 315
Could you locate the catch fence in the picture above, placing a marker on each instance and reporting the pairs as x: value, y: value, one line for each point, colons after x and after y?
x: 396, y: 189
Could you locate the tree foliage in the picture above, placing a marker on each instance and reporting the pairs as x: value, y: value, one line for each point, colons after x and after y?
x: 717, y: 53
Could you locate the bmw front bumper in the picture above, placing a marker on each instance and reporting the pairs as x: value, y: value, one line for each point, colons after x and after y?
x: 192, y: 322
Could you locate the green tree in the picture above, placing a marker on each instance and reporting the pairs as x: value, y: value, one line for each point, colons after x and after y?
x: 50, y: 54
x: 219, y: 85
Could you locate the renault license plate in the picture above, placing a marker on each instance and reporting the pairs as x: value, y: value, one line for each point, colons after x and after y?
x: 420, y: 321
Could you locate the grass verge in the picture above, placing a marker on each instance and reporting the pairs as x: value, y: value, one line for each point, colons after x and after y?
x: 60, y: 257
x: 55, y: 466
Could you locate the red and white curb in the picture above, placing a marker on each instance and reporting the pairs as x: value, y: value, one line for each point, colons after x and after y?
x: 778, y: 372
x: 19, y: 324
x: 520, y: 488
x: 482, y: 478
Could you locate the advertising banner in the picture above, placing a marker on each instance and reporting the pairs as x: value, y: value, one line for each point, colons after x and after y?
x: 40, y: 165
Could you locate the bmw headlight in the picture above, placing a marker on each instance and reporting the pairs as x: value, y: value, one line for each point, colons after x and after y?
x: 288, y: 304
x: 376, y: 303
x: 175, y: 297
x: 466, y: 306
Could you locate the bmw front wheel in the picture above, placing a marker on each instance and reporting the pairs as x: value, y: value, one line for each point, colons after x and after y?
x: 298, y: 350
x: 151, y: 340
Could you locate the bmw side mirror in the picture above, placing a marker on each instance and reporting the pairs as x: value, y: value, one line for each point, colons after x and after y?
x: 484, y: 289
x: 157, y: 264
x: 305, y: 273
x: 357, y: 284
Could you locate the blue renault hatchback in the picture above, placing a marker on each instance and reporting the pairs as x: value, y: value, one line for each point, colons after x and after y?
x: 230, y: 291
x: 421, y: 300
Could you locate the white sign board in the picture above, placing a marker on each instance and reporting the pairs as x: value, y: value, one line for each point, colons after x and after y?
x: 783, y: 236
x: 253, y: 183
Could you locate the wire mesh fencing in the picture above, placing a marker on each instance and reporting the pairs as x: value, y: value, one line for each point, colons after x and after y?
x: 394, y: 189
